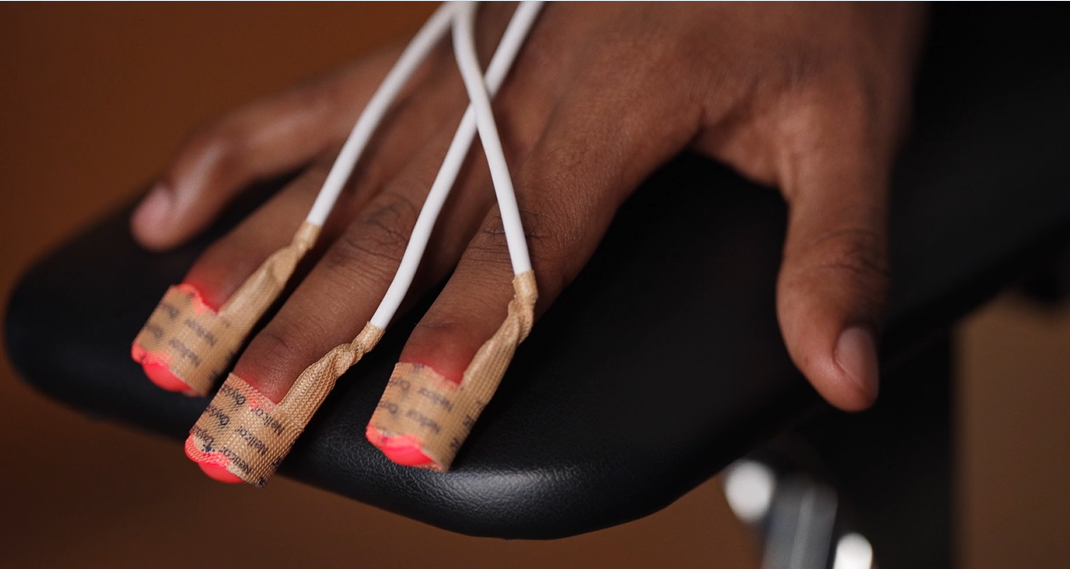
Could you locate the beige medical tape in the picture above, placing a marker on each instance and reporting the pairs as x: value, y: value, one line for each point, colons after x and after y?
x: 248, y: 434
x: 197, y: 343
x: 421, y: 406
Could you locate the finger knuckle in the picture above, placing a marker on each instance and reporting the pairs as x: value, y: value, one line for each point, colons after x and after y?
x: 489, y: 246
x: 544, y: 243
x: 319, y: 97
x: 218, y: 149
x: 847, y: 99
x: 560, y: 221
x: 377, y: 240
x: 856, y: 252
x: 370, y: 174
x: 274, y: 350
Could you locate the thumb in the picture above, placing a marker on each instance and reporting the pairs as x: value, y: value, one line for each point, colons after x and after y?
x: 833, y: 281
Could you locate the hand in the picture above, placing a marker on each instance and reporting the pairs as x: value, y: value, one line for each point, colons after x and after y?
x: 809, y: 98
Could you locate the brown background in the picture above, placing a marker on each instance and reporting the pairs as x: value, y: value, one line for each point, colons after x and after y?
x: 94, y: 98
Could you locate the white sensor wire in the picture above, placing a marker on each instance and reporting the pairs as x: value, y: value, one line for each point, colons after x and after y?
x: 515, y: 34
x: 464, y: 46
x: 373, y: 114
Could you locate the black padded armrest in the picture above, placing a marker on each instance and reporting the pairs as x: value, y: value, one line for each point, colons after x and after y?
x: 663, y: 361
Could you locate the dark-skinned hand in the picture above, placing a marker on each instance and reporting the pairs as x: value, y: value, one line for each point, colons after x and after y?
x: 809, y: 98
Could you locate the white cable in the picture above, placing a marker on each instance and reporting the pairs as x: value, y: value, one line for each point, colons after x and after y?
x: 464, y: 46
x: 512, y: 40
x: 373, y: 114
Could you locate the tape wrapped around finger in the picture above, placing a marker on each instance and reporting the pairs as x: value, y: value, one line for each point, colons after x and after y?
x: 186, y: 345
x: 420, y: 408
x: 248, y: 434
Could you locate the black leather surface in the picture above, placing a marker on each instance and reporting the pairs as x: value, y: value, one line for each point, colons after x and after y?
x: 663, y: 361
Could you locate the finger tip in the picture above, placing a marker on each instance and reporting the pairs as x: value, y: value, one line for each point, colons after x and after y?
x: 407, y: 455
x: 150, y: 219
x: 839, y: 362
x: 160, y: 374
x: 404, y: 450
x: 849, y: 398
x: 212, y: 464
x: 157, y: 369
x: 856, y: 361
x: 219, y: 473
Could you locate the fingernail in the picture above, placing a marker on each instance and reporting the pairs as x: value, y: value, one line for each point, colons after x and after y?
x: 155, y: 208
x: 856, y: 354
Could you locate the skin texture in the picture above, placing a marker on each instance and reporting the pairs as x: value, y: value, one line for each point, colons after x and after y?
x: 811, y: 99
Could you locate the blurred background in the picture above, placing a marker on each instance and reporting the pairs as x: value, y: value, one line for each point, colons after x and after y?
x: 94, y: 99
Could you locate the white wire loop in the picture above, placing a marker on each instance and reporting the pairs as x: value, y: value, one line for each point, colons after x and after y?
x: 464, y: 46
x: 477, y: 113
x: 414, y: 54
x: 477, y: 116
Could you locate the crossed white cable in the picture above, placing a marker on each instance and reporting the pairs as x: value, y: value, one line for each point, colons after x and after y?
x: 478, y: 116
